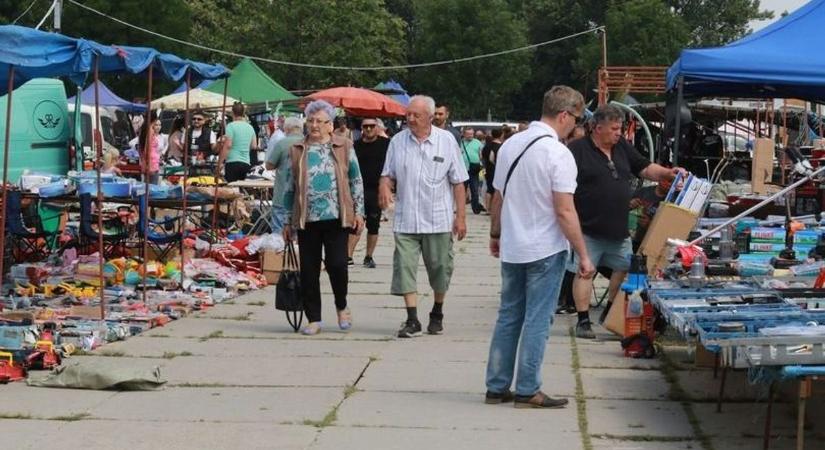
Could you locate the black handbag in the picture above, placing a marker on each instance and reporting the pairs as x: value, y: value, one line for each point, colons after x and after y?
x: 288, y: 295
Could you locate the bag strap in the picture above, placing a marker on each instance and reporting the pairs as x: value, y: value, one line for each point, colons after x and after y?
x: 464, y: 147
x: 290, y: 259
x: 518, y: 158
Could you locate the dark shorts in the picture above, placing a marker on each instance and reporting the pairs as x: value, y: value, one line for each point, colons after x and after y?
x: 372, y: 211
x: 488, y: 181
x: 235, y: 171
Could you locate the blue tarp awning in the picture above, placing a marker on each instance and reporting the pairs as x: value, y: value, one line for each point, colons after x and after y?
x: 204, y: 84
x: 107, y: 98
x: 780, y: 61
x: 398, y: 93
x: 39, y: 54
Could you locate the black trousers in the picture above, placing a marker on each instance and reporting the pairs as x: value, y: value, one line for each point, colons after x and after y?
x: 327, y: 236
x: 475, y: 169
x: 235, y: 171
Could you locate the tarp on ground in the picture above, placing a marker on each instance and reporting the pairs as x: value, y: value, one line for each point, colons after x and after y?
x: 782, y: 60
x: 40, y: 54
x: 251, y: 85
x: 107, y: 98
x: 395, y: 91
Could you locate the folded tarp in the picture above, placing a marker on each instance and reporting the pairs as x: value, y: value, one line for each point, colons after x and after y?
x: 101, y: 374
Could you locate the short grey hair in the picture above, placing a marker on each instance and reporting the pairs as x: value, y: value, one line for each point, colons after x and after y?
x: 607, y: 113
x: 380, y: 123
x: 428, y: 102
x: 293, y: 123
x: 320, y: 105
x: 561, y: 98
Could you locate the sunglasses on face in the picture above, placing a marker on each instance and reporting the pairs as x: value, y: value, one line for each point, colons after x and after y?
x: 368, y: 126
x: 613, y: 172
x: 198, y: 119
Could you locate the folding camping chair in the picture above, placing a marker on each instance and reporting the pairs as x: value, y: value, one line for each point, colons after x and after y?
x: 114, y: 231
x: 163, y: 235
x: 28, y: 245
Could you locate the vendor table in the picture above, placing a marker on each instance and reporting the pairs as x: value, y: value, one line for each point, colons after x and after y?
x: 261, y: 190
x: 732, y: 319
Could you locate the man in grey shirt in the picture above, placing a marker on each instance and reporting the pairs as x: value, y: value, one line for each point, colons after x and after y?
x: 278, y: 159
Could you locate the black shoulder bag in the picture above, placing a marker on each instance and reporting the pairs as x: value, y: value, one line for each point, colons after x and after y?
x: 288, y: 295
x: 518, y: 158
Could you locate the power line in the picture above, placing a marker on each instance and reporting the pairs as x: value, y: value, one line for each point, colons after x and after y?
x: 24, y: 12
x: 353, y: 68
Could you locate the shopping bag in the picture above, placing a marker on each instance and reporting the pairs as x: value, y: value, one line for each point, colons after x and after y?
x: 288, y: 295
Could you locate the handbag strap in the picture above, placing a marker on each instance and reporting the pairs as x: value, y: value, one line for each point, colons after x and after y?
x: 518, y: 158
x: 290, y: 259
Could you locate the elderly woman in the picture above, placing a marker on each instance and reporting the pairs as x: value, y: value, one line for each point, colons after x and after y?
x: 324, y: 203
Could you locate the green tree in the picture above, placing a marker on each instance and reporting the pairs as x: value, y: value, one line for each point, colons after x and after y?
x: 324, y: 32
x: 460, y: 28
x: 718, y: 22
x: 553, y: 64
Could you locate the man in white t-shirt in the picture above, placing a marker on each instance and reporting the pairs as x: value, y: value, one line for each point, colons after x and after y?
x: 533, y: 217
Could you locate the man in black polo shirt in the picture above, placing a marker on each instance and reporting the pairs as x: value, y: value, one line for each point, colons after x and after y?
x: 371, y: 151
x: 606, y: 163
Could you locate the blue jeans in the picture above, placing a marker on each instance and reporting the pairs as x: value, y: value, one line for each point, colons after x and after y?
x: 277, y: 219
x: 529, y: 294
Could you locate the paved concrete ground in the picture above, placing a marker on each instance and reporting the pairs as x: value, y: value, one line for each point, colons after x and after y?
x: 239, y: 378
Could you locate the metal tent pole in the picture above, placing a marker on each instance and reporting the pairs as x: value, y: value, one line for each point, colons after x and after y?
x: 185, y: 173
x: 5, y: 174
x: 99, y: 152
x: 145, y: 158
x: 217, y: 166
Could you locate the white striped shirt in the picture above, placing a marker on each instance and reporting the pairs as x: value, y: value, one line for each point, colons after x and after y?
x: 424, y: 175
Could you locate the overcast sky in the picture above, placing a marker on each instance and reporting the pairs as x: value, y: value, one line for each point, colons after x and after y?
x: 777, y: 6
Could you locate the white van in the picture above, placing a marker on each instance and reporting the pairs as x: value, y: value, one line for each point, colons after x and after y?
x: 106, y: 127
x: 485, y: 126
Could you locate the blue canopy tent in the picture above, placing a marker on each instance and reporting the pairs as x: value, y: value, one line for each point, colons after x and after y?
x: 107, y: 98
x: 778, y: 61
x: 203, y: 85
x: 27, y: 54
x: 395, y: 91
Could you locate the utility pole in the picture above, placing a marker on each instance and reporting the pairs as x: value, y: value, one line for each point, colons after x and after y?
x: 58, y: 12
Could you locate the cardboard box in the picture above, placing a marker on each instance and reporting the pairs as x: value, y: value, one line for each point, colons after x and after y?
x: 703, y: 357
x: 762, y: 167
x: 670, y: 222
x: 272, y: 263
x: 614, y: 321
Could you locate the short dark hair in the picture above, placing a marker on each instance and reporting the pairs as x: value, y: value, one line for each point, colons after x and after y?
x: 607, y: 113
x: 495, y: 133
x: 199, y: 112
x: 442, y: 105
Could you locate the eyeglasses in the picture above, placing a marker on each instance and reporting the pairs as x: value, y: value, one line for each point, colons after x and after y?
x: 198, y: 119
x: 613, y: 172
x: 368, y: 126
x: 579, y: 119
x: 318, y: 122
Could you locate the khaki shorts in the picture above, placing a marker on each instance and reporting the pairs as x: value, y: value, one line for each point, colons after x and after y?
x: 437, y: 250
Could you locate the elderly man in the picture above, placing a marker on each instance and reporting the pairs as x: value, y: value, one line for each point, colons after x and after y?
x: 278, y: 159
x: 532, y: 219
x: 606, y: 162
x: 424, y: 164
x: 471, y: 152
x: 371, y: 151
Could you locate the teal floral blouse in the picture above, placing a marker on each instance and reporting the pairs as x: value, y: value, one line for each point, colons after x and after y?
x: 322, y: 187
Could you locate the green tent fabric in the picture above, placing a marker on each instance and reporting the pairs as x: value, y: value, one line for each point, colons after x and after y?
x: 249, y: 84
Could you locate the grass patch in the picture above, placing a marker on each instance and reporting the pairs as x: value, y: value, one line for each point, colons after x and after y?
x: 643, y: 438
x: 109, y: 354
x: 328, y: 420
x: 158, y: 335
x: 581, y: 402
x: 173, y: 355
x: 201, y: 385
x: 230, y: 302
x: 679, y: 394
x: 18, y: 416
x: 260, y: 303
x: 241, y: 317
x: 213, y: 335
x: 71, y: 417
